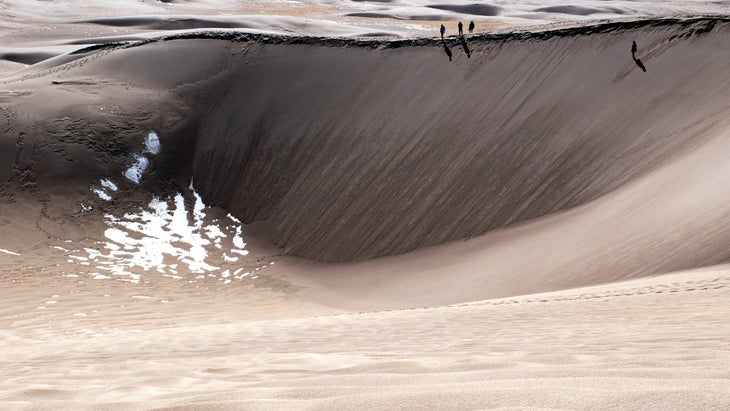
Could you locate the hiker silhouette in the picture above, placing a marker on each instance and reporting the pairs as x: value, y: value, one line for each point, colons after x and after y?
x: 471, y: 26
x: 637, y: 60
x: 461, y: 30
x: 442, y: 30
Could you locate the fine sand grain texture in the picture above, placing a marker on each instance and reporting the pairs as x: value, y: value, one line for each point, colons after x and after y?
x: 250, y: 205
x: 645, y: 344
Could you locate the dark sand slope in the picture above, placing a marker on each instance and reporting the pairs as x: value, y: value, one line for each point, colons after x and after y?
x: 351, y: 150
x: 353, y: 153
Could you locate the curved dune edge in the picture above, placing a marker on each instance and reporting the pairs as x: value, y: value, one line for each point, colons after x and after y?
x: 351, y: 151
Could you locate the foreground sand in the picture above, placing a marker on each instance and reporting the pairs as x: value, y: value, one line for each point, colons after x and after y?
x: 653, y: 343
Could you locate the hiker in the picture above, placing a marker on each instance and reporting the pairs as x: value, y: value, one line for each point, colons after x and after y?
x: 461, y: 30
x: 443, y: 30
x: 471, y: 26
x: 636, y: 59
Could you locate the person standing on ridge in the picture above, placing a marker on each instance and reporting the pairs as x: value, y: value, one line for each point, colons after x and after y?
x: 443, y: 30
x: 471, y: 26
x: 461, y: 30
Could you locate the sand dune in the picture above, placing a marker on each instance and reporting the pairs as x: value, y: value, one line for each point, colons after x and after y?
x: 537, y: 124
x: 194, y: 216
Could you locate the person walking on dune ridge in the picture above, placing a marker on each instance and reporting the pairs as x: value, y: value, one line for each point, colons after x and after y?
x: 471, y: 26
x: 443, y: 30
x: 461, y: 30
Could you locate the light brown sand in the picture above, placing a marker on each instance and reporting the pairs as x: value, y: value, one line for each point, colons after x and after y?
x: 646, y: 344
x: 544, y: 162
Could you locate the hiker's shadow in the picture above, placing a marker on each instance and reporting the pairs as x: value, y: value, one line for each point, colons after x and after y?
x: 447, y: 50
x: 465, y: 46
x: 639, y: 63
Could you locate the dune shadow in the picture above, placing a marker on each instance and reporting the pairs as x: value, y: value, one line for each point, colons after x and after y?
x: 475, y: 9
x: 465, y: 46
x: 447, y: 50
x: 640, y: 64
x: 160, y: 23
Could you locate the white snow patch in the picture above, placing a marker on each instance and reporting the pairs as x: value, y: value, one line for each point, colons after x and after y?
x: 108, y: 184
x: 152, y: 143
x: 166, y: 238
x: 134, y: 173
x: 2, y: 250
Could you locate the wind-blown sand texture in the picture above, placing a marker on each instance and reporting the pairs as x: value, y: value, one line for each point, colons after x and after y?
x: 205, y: 209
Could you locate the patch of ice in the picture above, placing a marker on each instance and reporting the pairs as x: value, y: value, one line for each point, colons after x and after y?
x: 230, y: 259
x: 134, y: 172
x: 214, y: 232
x: 152, y: 143
x: 159, y: 238
x: 106, y: 183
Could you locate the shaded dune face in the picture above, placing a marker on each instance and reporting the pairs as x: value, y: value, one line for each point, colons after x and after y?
x: 353, y: 150
x: 352, y: 153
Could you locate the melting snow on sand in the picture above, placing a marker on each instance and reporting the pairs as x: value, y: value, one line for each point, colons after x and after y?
x: 168, y: 238
x: 151, y: 146
x: 165, y: 237
x: 134, y: 172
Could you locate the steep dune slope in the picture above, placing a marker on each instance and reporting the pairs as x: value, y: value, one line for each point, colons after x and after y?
x: 351, y: 150
x: 353, y: 153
